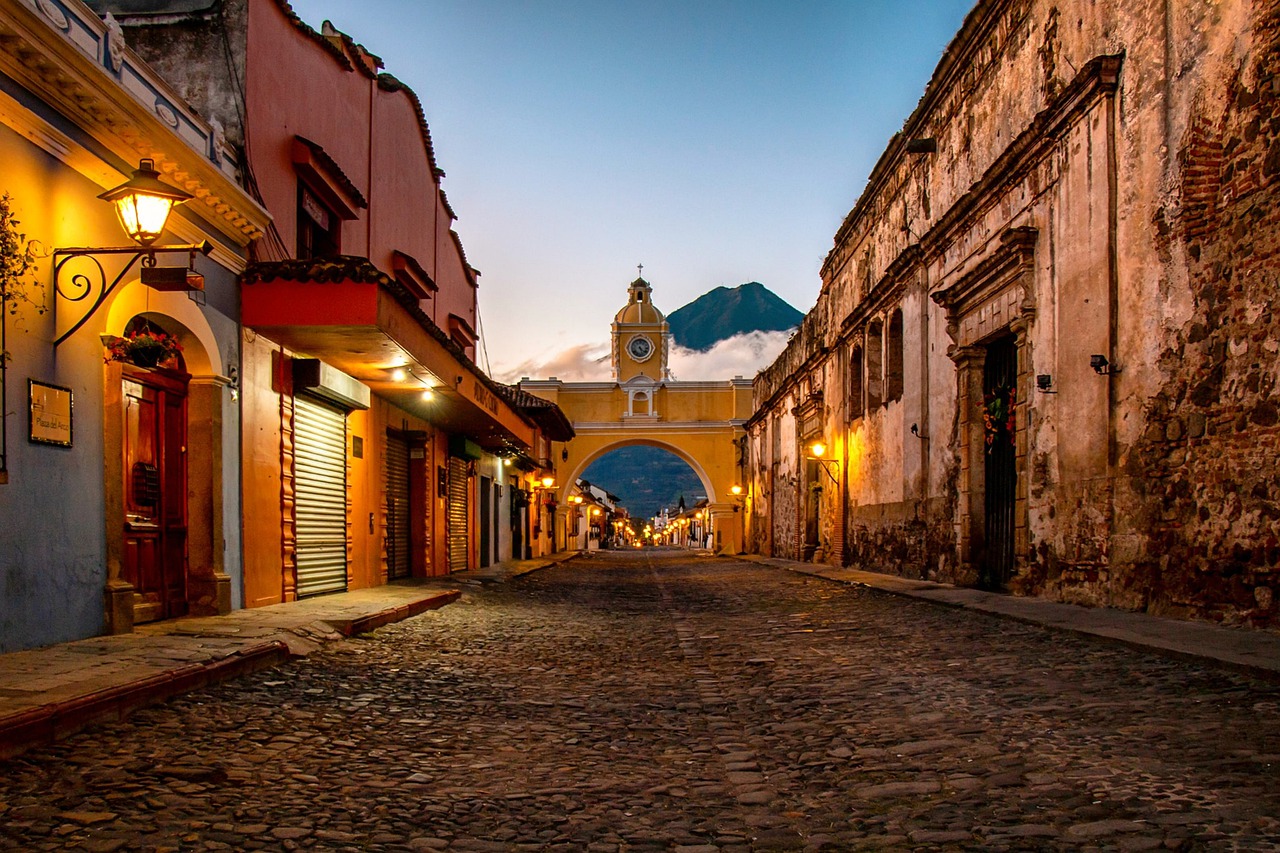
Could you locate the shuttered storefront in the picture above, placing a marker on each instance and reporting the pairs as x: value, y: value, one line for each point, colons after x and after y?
x: 320, y: 484
x: 458, y: 514
x: 398, y: 539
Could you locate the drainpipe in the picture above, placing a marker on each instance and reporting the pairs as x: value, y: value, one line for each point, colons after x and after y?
x: 1113, y: 276
x: 922, y: 507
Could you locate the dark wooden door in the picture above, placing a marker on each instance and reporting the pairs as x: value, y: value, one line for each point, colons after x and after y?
x: 999, y: 381
x: 519, y: 518
x: 155, y: 492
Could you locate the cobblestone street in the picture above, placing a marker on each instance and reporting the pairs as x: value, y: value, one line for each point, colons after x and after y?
x: 663, y: 701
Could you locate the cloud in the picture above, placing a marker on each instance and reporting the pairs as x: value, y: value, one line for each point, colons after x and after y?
x: 742, y: 355
x: 579, y: 363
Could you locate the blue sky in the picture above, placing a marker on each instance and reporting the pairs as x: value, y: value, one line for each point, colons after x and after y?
x: 715, y: 142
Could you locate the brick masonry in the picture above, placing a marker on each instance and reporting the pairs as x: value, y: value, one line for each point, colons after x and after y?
x: 1204, y: 472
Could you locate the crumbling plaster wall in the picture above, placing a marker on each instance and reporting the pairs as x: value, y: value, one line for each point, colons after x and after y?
x: 201, y: 55
x: 1200, y: 463
x: 1149, y: 488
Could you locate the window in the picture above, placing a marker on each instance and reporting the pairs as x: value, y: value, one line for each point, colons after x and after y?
x: 893, y: 374
x: 875, y: 364
x: 855, y: 384
x: 318, y: 226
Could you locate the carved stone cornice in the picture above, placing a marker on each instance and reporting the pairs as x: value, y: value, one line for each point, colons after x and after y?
x: 1099, y: 77
x: 70, y: 61
x: 1014, y: 255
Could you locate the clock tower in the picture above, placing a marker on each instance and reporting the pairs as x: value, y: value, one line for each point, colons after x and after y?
x: 640, y: 337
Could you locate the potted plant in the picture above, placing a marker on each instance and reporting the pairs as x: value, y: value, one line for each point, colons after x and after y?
x: 999, y: 415
x: 143, y: 347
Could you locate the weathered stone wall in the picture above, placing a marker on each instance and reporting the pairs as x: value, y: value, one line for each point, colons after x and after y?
x: 201, y: 55
x: 1203, y: 475
x: 1080, y: 179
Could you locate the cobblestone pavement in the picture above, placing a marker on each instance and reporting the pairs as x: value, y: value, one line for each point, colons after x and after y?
x: 659, y: 701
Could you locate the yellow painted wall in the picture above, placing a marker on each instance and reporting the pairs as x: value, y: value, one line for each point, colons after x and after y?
x: 700, y: 422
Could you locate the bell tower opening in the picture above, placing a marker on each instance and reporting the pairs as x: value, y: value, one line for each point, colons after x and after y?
x: 641, y: 337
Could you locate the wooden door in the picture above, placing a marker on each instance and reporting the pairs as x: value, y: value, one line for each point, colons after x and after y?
x: 155, y: 492
x: 486, y: 514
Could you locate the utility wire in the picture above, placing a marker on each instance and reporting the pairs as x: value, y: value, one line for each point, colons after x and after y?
x: 484, y: 346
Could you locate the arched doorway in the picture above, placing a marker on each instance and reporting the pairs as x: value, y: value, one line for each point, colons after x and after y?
x: 647, y: 477
x: 657, y: 480
x: 166, y: 513
x: 153, y: 394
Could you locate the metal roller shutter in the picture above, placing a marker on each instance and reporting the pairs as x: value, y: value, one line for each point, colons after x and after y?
x: 458, y: 513
x: 398, y: 540
x: 320, y: 483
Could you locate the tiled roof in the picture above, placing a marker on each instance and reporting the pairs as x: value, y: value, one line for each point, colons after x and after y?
x: 335, y: 171
x: 544, y: 413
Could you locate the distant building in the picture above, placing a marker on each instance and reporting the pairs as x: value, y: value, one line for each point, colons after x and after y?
x: 1045, y: 352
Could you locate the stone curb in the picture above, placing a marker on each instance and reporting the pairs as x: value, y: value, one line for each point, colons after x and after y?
x: 364, y: 624
x: 1252, y: 652
x: 57, y: 720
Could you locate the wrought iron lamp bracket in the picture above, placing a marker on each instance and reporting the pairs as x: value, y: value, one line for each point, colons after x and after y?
x: 826, y: 465
x: 81, y: 286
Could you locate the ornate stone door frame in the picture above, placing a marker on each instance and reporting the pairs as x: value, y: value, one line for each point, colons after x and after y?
x: 997, y: 297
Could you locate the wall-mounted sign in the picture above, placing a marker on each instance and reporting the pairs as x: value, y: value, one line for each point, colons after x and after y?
x: 50, y: 414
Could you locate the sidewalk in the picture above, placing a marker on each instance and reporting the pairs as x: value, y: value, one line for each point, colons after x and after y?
x: 1254, y: 652
x: 505, y: 571
x: 49, y: 693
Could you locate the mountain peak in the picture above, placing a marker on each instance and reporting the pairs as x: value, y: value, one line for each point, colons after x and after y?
x: 724, y: 312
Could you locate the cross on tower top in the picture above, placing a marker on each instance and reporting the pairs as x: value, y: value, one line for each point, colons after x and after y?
x: 640, y: 270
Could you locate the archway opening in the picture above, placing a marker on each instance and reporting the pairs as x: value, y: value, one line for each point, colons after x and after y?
x: 646, y: 479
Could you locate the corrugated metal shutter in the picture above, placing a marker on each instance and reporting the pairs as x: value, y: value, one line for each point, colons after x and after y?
x: 398, y: 565
x: 320, y: 467
x: 458, y: 512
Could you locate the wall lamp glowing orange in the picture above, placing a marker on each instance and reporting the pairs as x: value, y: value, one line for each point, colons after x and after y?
x: 816, y: 450
x: 143, y: 204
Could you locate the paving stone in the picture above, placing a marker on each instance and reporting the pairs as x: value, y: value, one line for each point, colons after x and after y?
x: 583, y: 709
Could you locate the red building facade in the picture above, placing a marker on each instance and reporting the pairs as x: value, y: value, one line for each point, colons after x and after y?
x: 373, y: 447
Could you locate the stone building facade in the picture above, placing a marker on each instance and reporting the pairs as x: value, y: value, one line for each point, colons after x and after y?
x: 1044, y: 354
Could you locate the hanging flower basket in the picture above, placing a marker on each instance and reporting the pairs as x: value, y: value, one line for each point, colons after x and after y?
x: 143, y: 348
x: 999, y: 416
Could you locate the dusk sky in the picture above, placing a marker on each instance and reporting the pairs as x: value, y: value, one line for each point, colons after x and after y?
x: 715, y: 141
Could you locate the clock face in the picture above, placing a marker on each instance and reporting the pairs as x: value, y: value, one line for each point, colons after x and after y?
x: 640, y: 348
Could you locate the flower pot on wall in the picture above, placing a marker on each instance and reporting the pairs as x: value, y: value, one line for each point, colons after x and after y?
x: 146, y: 349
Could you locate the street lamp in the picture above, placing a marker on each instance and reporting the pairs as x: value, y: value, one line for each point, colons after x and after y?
x: 815, y: 451
x: 142, y: 204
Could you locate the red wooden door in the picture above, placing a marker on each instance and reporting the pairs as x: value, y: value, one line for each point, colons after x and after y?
x: 155, y: 493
